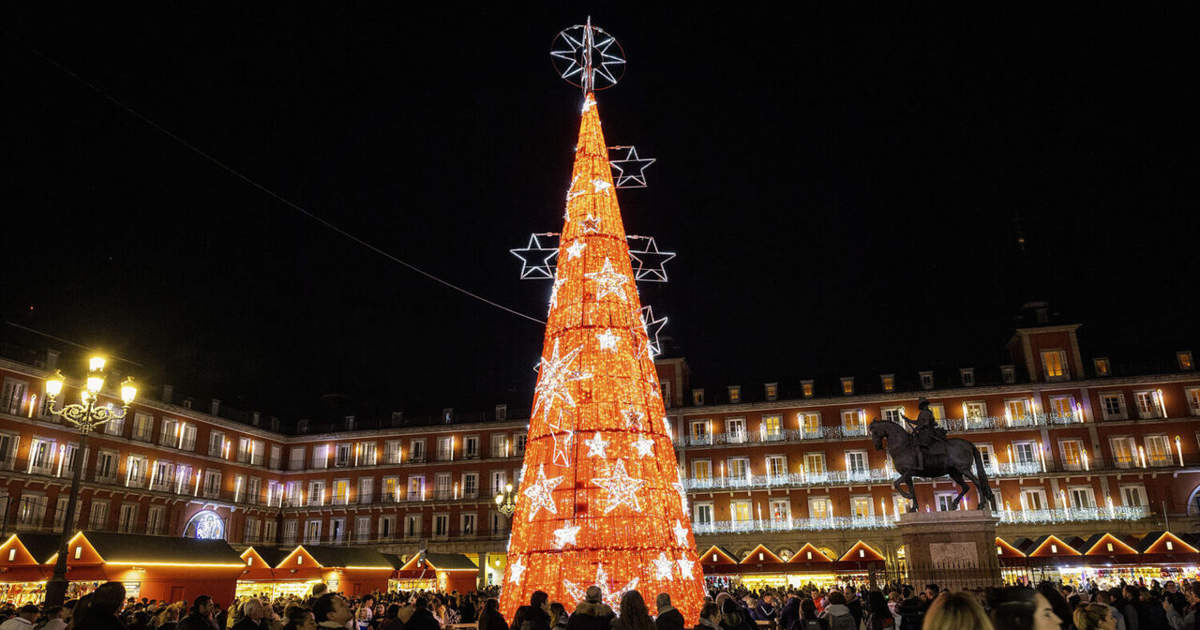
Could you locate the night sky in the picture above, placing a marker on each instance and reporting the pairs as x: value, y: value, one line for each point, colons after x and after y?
x: 845, y: 192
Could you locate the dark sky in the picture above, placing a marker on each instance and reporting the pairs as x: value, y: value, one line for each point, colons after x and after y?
x: 843, y: 191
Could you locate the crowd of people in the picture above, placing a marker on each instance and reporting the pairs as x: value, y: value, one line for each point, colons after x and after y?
x: 1154, y: 606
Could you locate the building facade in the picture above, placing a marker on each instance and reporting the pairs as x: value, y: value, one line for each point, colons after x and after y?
x: 1071, y: 448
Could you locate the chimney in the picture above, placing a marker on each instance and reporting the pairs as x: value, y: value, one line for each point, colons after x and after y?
x: 302, y: 426
x: 448, y: 415
x: 501, y: 412
x: 51, y: 359
x: 274, y: 422
x: 349, y: 423
x: 216, y: 406
x: 254, y: 418
x: 187, y: 403
x: 397, y: 418
x: 168, y: 393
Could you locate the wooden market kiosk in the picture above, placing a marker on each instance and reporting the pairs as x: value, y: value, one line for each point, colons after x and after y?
x: 154, y: 567
x: 441, y: 571
x: 353, y: 571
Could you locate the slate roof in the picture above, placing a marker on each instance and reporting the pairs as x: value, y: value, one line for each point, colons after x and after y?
x: 143, y: 548
x: 347, y: 557
x: 450, y: 561
x: 271, y: 555
x: 40, y: 546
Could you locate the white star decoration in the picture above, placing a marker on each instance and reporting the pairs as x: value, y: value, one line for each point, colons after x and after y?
x: 678, y: 485
x: 680, y: 533
x: 571, y: 192
x: 633, y: 418
x: 596, y: 446
x: 562, y: 447
x: 591, y: 224
x: 565, y: 535
x: 539, y: 493
x: 518, y: 568
x: 608, y: 281
x: 621, y: 488
x: 662, y: 566
x: 685, y: 566
x: 608, y: 340
x: 576, y: 249
x: 612, y: 598
x: 554, y: 379
x: 644, y: 446
x: 599, y: 185
x: 554, y: 291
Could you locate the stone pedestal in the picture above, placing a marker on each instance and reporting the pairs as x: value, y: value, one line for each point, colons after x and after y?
x: 954, y: 550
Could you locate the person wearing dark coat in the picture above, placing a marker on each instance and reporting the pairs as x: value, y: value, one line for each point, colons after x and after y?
x: 734, y: 617
x: 421, y: 618
x: 200, y: 616
x: 789, y: 612
x: 466, y: 612
x: 535, y: 616
x: 668, y: 618
x: 591, y: 613
x: 490, y: 618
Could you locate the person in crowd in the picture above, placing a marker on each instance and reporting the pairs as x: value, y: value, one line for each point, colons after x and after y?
x: 107, y: 601
x: 1094, y: 616
x: 956, y: 611
x: 201, y: 615
x: 733, y: 616
x: 876, y: 614
x: 1109, y: 598
x: 535, y: 615
x: 591, y: 613
x: 789, y: 612
x: 837, y: 614
x: 299, y: 618
x: 764, y: 609
x: 391, y: 619
x: 23, y: 620
x: 911, y: 610
x: 1022, y: 608
x: 710, y: 617
x: 252, y: 616
x: 422, y: 618
x: 331, y: 611
x: 809, y: 618
x: 1062, y: 609
x: 490, y: 618
x: 634, y: 613
x: 668, y: 618
x: 467, y: 612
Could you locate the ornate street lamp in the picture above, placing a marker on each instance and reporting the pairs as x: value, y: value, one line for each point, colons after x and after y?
x: 505, y: 502
x: 85, y: 415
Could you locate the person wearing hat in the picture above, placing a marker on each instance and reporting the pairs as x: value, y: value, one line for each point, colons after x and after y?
x: 925, y: 431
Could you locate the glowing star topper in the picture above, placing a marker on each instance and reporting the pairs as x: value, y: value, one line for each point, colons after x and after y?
x: 555, y: 378
x: 596, y: 446
x: 620, y: 488
x: 680, y: 533
x: 644, y: 446
x: 565, y: 535
x: 540, y: 493
x: 662, y: 566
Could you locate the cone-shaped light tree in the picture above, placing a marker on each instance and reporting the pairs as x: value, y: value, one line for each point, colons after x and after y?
x: 601, y: 501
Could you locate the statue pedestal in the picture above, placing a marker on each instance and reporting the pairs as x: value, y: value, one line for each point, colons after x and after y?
x: 955, y: 550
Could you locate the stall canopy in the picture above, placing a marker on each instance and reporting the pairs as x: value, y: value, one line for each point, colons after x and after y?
x: 447, y: 571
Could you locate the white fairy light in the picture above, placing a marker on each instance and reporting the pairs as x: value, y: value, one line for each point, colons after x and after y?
x: 576, y: 249
x: 680, y: 533
x: 562, y: 446
x: 591, y: 224
x: 540, y: 493
x: 555, y: 378
x: 633, y: 418
x: 565, y: 535
x: 518, y: 568
x: 620, y: 488
x: 596, y: 446
x: 682, y: 495
x: 558, y: 283
x: 685, y: 567
x: 644, y: 446
x: 599, y: 185
x: 608, y: 280
x: 662, y: 566
x: 608, y: 340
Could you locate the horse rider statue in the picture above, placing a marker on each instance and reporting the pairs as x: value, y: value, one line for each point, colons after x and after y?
x: 926, y: 431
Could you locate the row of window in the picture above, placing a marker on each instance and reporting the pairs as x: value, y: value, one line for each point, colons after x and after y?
x: 367, y: 453
x: 394, y: 489
x: 333, y: 530
x: 1157, y: 450
x: 32, y: 508
x: 864, y: 506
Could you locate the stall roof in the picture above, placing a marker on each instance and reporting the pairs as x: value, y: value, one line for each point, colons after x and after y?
x: 393, y: 559
x: 767, y: 555
x: 1048, y: 545
x: 271, y: 555
x: 40, y: 546
x: 801, y: 554
x: 140, y: 548
x: 1097, y: 544
x: 706, y: 557
x: 347, y: 557
x: 1163, y: 542
x: 450, y: 562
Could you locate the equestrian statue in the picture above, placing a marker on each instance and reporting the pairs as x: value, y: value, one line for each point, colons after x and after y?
x: 927, y: 452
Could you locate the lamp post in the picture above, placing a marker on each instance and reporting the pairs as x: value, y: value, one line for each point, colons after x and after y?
x: 505, y: 502
x: 85, y: 416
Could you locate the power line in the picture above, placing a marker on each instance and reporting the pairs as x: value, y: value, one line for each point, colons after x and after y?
x: 271, y: 193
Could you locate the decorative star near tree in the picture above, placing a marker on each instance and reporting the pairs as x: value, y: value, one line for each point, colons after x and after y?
x: 540, y: 493
x: 662, y: 566
x: 678, y: 485
x: 644, y: 446
x: 610, y: 597
x: 620, y: 488
x: 652, y: 327
x: 565, y: 535
x: 649, y: 263
x: 623, y: 169
x: 575, y: 250
x: 633, y: 418
x: 680, y: 533
x: 608, y: 281
x: 562, y: 446
x: 537, y: 260
x: 555, y: 378
x: 596, y: 446
x: 591, y: 224
x: 685, y: 567
x: 517, y: 569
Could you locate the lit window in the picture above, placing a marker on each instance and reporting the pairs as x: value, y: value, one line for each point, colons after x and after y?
x: 968, y: 376
x: 926, y: 380
x: 889, y: 382
x: 1184, y: 358
x: 1054, y: 365
x: 772, y: 391
x: 1101, y: 365
x: 806, y: 388
x: 697, y: 397
x: 735, y: 394
x: 848, y: 385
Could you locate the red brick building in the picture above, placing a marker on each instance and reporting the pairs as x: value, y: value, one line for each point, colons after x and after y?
x: 1073, y: 447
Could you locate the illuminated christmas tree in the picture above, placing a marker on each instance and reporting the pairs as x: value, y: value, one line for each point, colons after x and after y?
x: 601, y: 501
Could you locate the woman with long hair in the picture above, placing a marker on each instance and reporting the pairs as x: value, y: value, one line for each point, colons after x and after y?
x: 634, y: 613
x: 956, y: 611
x: 1094, y: 616
x: 1022, y: 608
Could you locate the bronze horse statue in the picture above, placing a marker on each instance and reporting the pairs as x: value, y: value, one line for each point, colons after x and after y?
x: 955, y: 457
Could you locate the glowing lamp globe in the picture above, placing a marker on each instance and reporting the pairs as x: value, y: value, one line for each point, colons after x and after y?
x: 54, y: 384
x: 128, y: 390
x: 95, y: 364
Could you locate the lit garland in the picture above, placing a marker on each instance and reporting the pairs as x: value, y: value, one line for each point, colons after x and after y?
x: 599, y: 510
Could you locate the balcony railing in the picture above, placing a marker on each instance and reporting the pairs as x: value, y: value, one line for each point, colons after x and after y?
x: 833, y: 523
